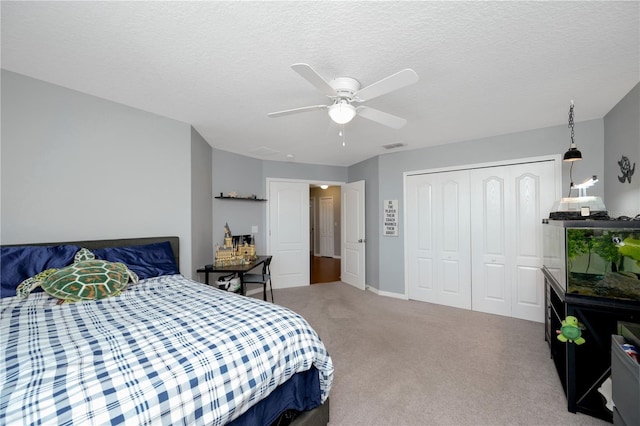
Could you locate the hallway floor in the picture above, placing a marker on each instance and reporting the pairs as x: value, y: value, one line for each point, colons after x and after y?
x: 324, y: 269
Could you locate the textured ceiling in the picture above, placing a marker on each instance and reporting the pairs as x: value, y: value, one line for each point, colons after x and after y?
x: 485, y: 68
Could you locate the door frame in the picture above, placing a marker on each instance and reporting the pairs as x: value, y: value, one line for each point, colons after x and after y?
x: 268, y: 214
x: 552, y: 157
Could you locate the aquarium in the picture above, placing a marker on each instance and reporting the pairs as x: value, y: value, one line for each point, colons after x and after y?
x: 595, y: 258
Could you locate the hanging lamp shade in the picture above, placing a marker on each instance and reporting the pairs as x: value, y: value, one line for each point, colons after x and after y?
x: 572, y: 154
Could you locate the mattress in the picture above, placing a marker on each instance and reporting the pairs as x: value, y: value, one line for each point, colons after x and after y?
x: 168, y: 350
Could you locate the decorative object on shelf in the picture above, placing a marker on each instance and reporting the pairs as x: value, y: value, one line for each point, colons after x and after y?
x: 572, y: 154
x: 626, y: 169
x: 570, y: 331
x: 234, y: 254
x: 233, y: 194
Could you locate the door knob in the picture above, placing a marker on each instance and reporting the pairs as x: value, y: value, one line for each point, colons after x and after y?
x: 362, y: 240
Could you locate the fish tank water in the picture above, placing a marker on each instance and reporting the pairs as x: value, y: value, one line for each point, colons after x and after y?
x: 595, y: 258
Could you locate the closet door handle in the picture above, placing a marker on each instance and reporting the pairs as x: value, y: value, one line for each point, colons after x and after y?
x: 362, y: 240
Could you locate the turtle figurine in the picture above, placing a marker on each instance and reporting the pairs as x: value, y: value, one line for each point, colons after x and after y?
x: 570, y: 331
x: 87, y: 278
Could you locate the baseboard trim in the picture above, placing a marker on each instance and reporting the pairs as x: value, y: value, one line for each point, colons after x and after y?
x: 386, y: 293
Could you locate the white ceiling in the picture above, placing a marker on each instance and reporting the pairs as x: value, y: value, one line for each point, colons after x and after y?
x: 485, y: 68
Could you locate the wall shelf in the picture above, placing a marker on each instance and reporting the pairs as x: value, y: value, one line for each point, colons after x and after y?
x: 240, y: 198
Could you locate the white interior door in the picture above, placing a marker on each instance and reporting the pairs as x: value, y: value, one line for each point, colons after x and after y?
x: 326, y: 226
x: 438, y: 238
x: 352, y: 264
x: 289, y: 233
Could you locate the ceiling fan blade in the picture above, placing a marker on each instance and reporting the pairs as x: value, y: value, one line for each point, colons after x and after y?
x: 314, y: 78
x: 296, y: 110
x: 395, y: 81
x: 384, y: 118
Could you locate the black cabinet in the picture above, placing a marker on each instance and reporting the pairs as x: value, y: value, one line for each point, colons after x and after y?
x: 555, y: 314
x: 583, y: 368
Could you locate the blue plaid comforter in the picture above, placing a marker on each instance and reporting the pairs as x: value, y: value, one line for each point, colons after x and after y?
x: 167, y: 351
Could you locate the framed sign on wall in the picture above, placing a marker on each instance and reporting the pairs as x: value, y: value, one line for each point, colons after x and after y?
x: 390, y: 218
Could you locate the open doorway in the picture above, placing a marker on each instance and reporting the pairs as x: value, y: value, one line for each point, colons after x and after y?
x: 325, y: 226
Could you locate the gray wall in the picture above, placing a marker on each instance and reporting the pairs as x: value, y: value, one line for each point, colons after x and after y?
x: 247, y: 176
x: 533, y: 143
x: 201, y: 202
x: 622, y: 137
x: 243, y: 175
x: 156, y: 180
x: 307, y: 172
x: 77, y: 167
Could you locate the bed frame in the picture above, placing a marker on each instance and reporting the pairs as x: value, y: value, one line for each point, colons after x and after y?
x: 319, y: 416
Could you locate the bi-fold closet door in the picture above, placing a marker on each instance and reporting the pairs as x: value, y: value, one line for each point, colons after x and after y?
x: 474, y: 237
x: 438, y: 238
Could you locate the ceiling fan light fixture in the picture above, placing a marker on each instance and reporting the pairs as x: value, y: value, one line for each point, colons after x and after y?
x: 342, y: 112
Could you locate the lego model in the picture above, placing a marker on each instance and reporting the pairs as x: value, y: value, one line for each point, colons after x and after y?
x: 229, y: 254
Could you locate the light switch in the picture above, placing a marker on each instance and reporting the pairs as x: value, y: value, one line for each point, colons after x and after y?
x: 254, y: 229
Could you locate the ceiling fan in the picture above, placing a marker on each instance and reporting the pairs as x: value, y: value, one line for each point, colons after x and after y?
x: 344, y: 91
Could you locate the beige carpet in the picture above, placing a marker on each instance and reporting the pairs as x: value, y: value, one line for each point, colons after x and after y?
x: 403, y: 362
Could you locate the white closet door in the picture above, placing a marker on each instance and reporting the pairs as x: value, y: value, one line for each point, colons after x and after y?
x: 491, y: 223
x: 535, y: 192
x: 438, y: 238
x: 506, y: 231
x: 420, y: 235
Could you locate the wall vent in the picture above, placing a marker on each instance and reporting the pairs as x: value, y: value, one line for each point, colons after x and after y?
x: 394, y: 145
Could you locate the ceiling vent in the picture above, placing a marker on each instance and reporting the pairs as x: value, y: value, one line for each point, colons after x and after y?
x: 263, y: 151
x: 394, y: 145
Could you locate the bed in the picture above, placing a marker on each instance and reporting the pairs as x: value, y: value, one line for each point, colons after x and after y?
x: 168, y: 350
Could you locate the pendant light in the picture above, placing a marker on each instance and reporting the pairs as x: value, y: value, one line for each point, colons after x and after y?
x: 572, y: 154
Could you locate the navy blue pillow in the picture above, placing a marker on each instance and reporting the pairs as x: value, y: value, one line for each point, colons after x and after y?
x: 22, y: 262
x: 147, y: 261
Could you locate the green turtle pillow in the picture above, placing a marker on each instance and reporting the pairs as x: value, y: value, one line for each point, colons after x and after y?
x: 87, y: 278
